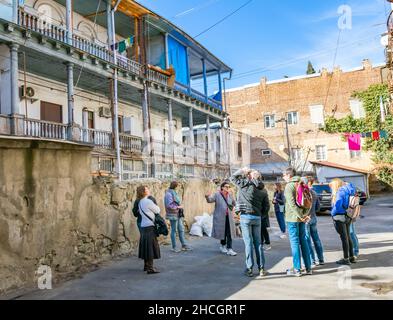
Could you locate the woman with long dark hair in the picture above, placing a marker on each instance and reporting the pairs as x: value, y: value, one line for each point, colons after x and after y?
x: 149, y: 249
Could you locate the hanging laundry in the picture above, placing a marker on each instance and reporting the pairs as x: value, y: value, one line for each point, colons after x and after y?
x: 364, y: 135
x: 376, y: 136
x: 116, y: 46
x: 383, y: 134
x: 369, y: 135
x: 122, y: 46
x: 354, y: 142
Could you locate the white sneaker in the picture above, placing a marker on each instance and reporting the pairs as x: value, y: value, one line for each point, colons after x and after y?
x: 223, y: 249
x: 283, y: 236
x: 231, y: 253
x: 267, y: 247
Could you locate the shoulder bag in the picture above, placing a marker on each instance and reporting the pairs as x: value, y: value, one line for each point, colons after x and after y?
x: 160, y: 226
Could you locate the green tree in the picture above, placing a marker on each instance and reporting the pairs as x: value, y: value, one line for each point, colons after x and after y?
x: 310, y: 68
x: 382, y: 149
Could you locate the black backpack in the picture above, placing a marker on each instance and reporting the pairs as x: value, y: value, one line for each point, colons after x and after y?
x: 160, y: 226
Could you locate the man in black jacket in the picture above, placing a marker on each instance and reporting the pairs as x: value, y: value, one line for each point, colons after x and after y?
x: 249, y: 206
x: 265, y: 208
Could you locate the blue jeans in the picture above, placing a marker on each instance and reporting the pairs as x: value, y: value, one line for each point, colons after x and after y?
x: 354, y: 238
x: 312, y: 234
x: 177, y: 224
x: 251, y: 230
x: 299, y: 245
x: 281, y: 221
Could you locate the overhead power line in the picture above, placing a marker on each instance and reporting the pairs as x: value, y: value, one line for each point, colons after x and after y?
x: 225, y: 18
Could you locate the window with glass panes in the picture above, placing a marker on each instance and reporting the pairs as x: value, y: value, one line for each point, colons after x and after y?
x: 293, y: 118
x: 270, y: 121
x: 321, y: 152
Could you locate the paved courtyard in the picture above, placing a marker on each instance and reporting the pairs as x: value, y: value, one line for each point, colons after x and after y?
x: 204, y: 273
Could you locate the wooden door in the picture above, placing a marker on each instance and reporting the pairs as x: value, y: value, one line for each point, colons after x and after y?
x: 51, y: 112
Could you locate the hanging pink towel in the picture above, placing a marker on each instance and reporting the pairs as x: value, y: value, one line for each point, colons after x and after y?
x: 354, y: 142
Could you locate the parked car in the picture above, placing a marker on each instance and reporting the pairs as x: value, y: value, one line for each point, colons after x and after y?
x: 325, y: 196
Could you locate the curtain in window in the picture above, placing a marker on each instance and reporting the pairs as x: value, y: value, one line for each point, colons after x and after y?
x: 178, y: 59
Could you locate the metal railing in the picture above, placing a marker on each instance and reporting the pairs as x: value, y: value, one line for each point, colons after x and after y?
x: 99, y: 138
x: 130, y: 143
x: 43, y: 129
x: 34, y: 23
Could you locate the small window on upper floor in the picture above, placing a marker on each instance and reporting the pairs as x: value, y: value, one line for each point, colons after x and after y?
x: 357, y: 109
x: 321, y: 153
x: 270, y: 121
x: 293, y: 118
x: 297, y: 154
x: 317, y: 114
x: 266, y: 152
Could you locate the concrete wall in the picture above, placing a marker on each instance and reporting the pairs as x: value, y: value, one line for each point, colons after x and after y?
x: 53, y: 213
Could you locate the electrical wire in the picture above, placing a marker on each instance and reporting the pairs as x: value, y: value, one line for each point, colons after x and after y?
x: 223, y: 19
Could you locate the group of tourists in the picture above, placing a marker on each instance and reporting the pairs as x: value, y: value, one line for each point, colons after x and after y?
x: 295, y: 209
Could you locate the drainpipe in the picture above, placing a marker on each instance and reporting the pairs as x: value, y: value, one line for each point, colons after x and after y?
x: 115, y: 93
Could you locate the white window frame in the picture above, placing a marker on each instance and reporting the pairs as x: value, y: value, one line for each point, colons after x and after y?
x: 272, y: 121
x: 323, y: 153
x: 292, y: 113
x: 357, y: 109
x: 297, y: 154
x: 317, y: 115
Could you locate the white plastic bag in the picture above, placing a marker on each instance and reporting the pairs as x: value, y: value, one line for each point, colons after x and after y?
x: 196, y: 230
x: 207, y: 224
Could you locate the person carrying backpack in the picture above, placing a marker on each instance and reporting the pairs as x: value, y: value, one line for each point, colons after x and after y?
x: 342, y: 215
x: 296, y: 217
x: 312, y: 229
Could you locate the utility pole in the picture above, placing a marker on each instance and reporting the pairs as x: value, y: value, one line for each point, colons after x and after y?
x: 115, y: 93
x: 288, y: 142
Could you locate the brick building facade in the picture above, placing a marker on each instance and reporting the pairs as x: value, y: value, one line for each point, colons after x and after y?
x: 305, y: 102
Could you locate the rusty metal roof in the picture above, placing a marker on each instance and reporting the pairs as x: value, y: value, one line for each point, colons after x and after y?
x: 132, y: 8
x: 338, y: 166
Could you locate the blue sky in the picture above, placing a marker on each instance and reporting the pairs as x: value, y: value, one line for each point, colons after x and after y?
x: 277, y: 38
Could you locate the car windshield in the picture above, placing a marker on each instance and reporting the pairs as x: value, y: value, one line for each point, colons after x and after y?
x: 321, y: 189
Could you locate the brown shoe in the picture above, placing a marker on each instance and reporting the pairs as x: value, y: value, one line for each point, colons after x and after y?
x: 152, y: 271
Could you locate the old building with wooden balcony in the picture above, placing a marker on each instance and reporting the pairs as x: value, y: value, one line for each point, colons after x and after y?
x: 118, y: 77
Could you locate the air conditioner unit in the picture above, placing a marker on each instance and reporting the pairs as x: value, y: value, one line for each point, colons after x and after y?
x: 105, y: 112
x: 27, y: 93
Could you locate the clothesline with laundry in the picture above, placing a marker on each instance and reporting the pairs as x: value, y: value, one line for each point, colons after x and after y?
x: 355, y: 139
x: 122, y: 46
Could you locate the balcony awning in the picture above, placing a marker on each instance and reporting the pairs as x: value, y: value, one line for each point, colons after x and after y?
x: 132, y: 8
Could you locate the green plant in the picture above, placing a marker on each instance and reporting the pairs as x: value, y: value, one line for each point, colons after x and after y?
x: 382, y: 149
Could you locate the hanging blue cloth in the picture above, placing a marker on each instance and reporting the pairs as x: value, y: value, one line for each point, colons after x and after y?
x: 383, y: 134
x: 179, y: 60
